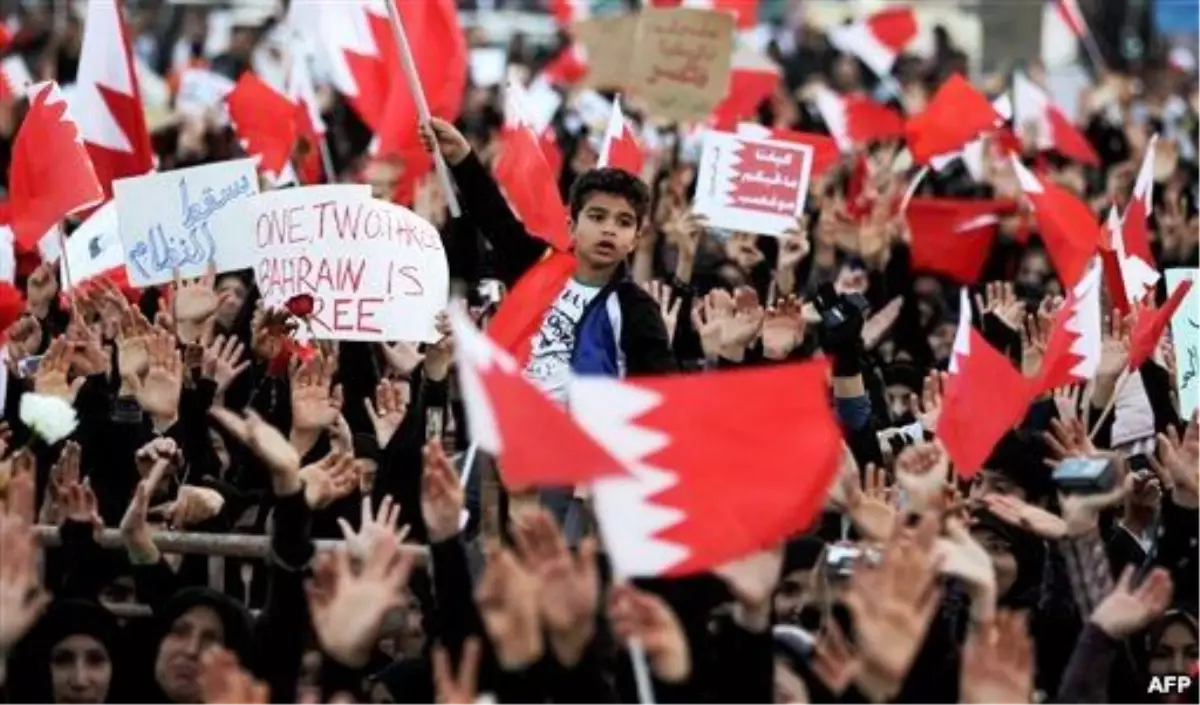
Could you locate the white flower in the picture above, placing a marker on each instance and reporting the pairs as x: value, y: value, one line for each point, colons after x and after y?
x: 51, y: 418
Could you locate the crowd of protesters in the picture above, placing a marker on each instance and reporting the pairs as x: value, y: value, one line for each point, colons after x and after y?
x: 913, y: 586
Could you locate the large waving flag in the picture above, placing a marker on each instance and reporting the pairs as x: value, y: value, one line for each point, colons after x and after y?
x: 1034, y: 109
x: 50, y: 176
x: 1135, y: 235
x: 678, y: 510
x: 856, y: 120
x: 265, y: 122
x: 533, y: 438
x: 955, y: 116
x: 106, y: 101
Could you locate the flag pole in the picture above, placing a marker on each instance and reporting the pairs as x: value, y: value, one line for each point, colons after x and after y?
x: 326, y: 159
x: 418, y: 94
x: 1112, y: 403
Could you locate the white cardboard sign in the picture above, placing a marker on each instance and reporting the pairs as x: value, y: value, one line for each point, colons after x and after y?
x: 168, y: 220
x: 94, y: 247
x: 750, y: 184
x: 1184, y: 326
x: 376, y: 271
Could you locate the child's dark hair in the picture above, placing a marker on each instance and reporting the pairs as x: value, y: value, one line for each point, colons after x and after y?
x: 615, y: 182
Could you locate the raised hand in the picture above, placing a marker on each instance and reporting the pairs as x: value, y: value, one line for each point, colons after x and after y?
x: 387, y: 413
x: 158, y: 392
x: 997, y: 664
x: 1068, y: 402
x: 40, y: 289
x: 452, y: 687
x: 893, y: 603
x: 1000, y: 299
x: 268, y: 444
x: 373, y: 527
x: 634, y: 614
x: 568, y: 587
x: 22, y: 597
x: 224, y: 361
x: 195, y: 300
x: 507, y: 596
x: 1128, y: 610
x: 314, y: 406
x: 52, y: 374
x: 928, y: 409
x: 661, y: 292
x: 879, y: 324
x: 1025, y: 516
x: 24, y: 337
x: 63, y: 474
x: 159, y: 450
x: 1177, y: 462
x: 710, y: 316
x: 87, y: 352
x: 834, y: 660
x: 740, y: 331
x: 1067, y: 439
x: 1114, y: 349
x: 783, y: 329
x: 329, y: 479
x: 441, y: 493
x: 191, y: 506
x: 348, y: 606
x: 79, y: 504
x: 223, y: 680
x: 873, y: 509
x: 133, y: 339
x: 923, y: 471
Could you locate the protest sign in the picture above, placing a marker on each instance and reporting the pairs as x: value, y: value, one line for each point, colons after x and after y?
x: 201, y: 90
x: 752, y: 185
x: 94, y: 247
x: 609, y: 44
x: 376, y: 271
x: 167, y: 220
x: 1185, y: 327
x: 681, y: 61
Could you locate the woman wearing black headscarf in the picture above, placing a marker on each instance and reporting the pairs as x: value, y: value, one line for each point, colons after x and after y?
x: 71, y: 656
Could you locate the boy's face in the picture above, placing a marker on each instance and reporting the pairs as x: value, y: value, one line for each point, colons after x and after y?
x: 605, y: 231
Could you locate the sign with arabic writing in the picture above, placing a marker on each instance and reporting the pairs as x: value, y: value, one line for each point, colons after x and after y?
x: 1185, y: 329
x: 681, y: 61
x: 752, y: 185
x: 376, y: 271
x: 167, y: 220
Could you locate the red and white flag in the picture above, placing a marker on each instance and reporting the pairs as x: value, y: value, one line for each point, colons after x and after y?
x: 1034, y: 110
x: 523, y: 173
x: 568, y: 67
x: 1073, y: 350
x: 753, y: 78
x: 984, y: 398
x: 955, y: 116
x: 1067, y: 225
x: 620, y: 149
x: 356, y: 39
x: 1150, y: 323
x: 879, y: 39
x: 677, y: 509
x: 50, y: 176
x: 265, y: 122
x: 106, y: 100
x: 857, y: 120
x: 533, y: 438
x: 1135, y: 235
x: 745, y: 12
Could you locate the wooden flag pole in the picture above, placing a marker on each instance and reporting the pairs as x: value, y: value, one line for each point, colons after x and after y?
x: 418, y: 94
x: 1112, y: 403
